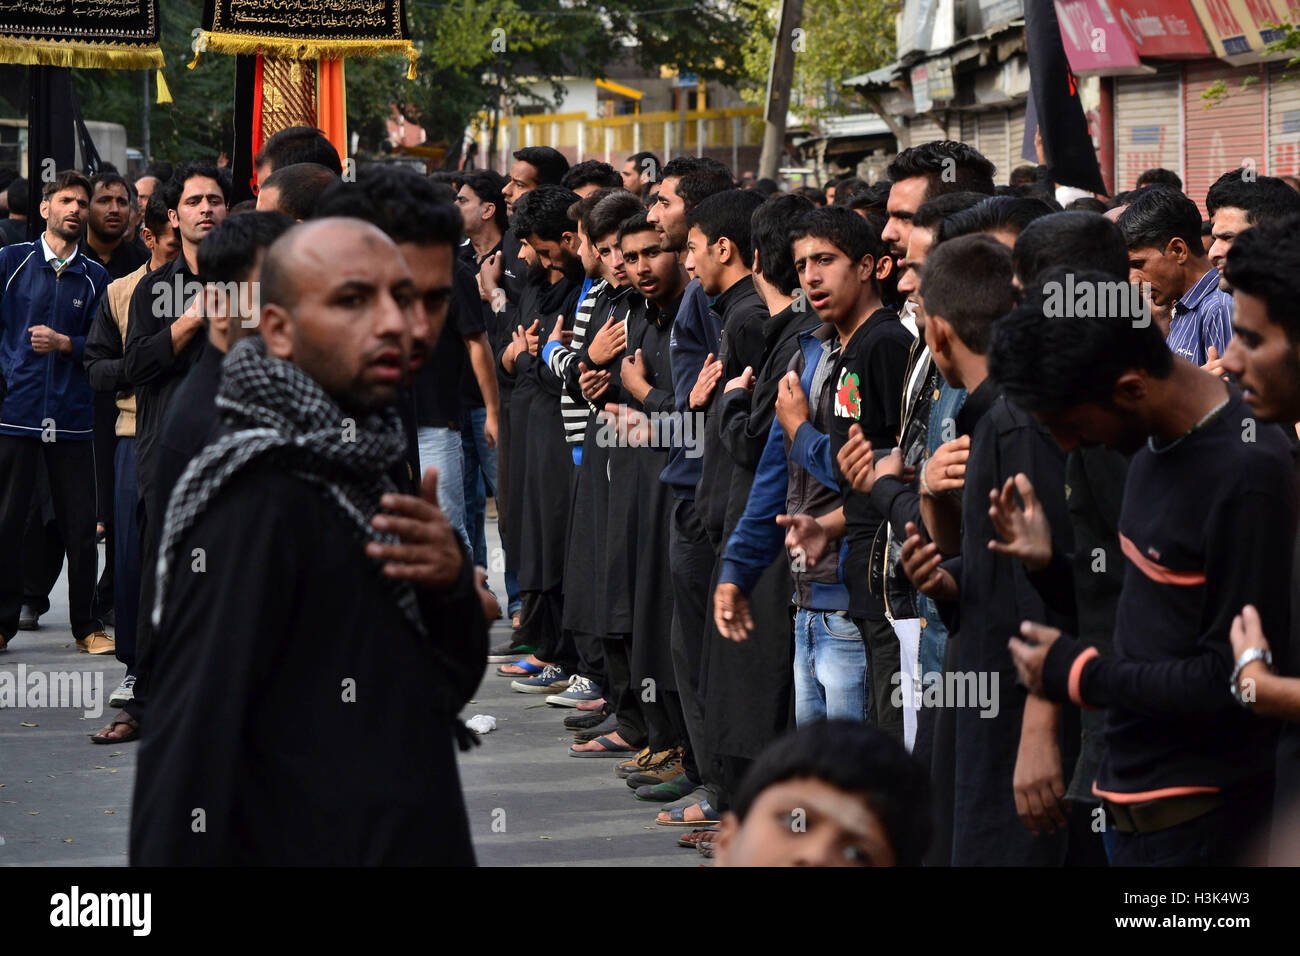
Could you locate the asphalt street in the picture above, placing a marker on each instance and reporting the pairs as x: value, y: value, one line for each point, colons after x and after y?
x: 67, y: 802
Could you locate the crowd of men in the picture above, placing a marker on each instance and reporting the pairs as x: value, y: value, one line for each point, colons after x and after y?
x: 993, y: 499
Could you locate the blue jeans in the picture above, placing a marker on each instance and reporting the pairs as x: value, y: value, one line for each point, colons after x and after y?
x: 440, y: 448
x: 480, y: 479
x: 934, y: 637
x: 830, y: 667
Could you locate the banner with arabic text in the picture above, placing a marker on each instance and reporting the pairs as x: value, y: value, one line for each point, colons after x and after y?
x: 86, y: 34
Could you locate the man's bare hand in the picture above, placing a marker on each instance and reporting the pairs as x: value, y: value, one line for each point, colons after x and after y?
x: 857, y: 461
x: 609, y: 343
x: 632, y: 426
x: 804, y: 537
x: 559, y: 333
x: 489, y: 276
x: 921, y: 562
x: 1026, y: 531
x: 946, y: 470
x: 1029, y: 652
x: 731, y: 613
x: 791, y: 404
x: 1039, y: 779
x: 592, y: 381
x: 428, y: 552
x: 706, y: 382
x: 634, y: 377
x: 1213, y: 362
x: 744, y: 380
x: 45, y: 340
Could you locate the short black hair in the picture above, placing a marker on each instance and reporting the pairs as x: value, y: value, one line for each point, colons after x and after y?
x: 1261, y: 198
x: 67, y: 179
x: 544, y: 213
x: 1158, y: 214
x: 814, y: 195
x: 611, y: 212
x: 766, y: 187
x: 175, y: 187
x: 1087, y: 204
x: 728, y: 213
x: 844, y: 229
x: 846, y: 189
x: 698, y: 178
x: 995, y: 214
x: 17, y: 194
x: 299, y: 144
x: 651, y: 172
x: 1074, y: 240
x: 1159, y: 176
x: 633, y: 224
x: 549, y: 163
x: 769, y: 228
x: 112, y: 179
x: 401, y: 202
x: 874, y: 198
x: 159, y: 170
x: 301, y: 186
x: 1023, y: 175
x: 487, y: 184
x: 948, y: 167
x: 591, y: 172
x: 856, y: 758
x: 967, y: 282
x: 1262, y: 262
x: 155, y: 216
x: 1050, y: 363
x: 932, y: 213
x: 230, y: 249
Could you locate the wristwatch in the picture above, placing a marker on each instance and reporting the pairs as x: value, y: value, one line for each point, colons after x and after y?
x: 1248, y: 656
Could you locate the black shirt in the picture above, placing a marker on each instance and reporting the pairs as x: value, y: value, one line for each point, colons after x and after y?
x: 126, y: 258
x: 188, y: 424
x: 438, y: 383
x: 869, y: 381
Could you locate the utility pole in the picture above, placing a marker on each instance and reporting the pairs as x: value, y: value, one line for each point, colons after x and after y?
x: 780, y: 78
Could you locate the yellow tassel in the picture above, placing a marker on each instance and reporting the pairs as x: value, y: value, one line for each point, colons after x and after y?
x: 412, y: 57
x: 164, y: 94
x: 86, y: 56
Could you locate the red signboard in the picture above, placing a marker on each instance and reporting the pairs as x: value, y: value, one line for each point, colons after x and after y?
x: 1163, y: 29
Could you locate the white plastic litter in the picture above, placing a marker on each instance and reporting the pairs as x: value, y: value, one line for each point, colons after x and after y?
x: 482, y: 723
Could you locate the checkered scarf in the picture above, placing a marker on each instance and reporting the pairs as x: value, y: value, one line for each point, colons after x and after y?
x: 279, y: 414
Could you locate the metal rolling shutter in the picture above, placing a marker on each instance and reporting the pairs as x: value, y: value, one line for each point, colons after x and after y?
x: 1015, y: 138
x: 925, y: 128
x: 970, y: 129
x: 1283, y: 123
x: 993, y: 142
x: 1226, y: 135
x: 1147, y: 118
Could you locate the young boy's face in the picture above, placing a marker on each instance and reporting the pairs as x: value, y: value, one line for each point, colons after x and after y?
x: 805, y: 822
x: 830, y: 279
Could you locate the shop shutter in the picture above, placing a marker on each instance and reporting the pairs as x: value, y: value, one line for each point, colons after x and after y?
x: 1015, y: 138
x: 1283, y: 122
x: 1227, y: 134
x: 1147, y: 110
x: 993, y: 142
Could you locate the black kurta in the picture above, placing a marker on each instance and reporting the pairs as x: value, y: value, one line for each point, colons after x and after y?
x: 298, y: 718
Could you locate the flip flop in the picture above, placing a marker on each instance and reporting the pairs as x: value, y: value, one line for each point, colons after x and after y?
x: 126, y: 719
x: 676, y: 814
x: 524, y: 668
x: 608, y: 749
x: 695, y: 837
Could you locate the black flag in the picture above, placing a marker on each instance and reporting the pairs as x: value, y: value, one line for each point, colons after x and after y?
x: 1067, y: 146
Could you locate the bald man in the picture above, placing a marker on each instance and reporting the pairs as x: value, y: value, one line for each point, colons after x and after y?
x: 317, y: 632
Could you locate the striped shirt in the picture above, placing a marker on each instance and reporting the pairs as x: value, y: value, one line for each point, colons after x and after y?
x: 559, y: 357
x: 1201, y: 318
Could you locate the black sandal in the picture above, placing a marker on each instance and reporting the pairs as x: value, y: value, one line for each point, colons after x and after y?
x: 122, y: 717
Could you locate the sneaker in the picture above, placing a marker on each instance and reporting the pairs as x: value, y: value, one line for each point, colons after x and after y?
x: 29, y: 619
x: 672, y: 789
x: 668, y: 768
x: 584, y: 721
x: 124, y: 694
x: 507, y: 653
x: 96, y: 643
x: 579, y: 689
x: 642, y: 761
x: 552, y: 678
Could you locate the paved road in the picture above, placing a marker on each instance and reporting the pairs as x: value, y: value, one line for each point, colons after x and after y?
x: 66, y: 802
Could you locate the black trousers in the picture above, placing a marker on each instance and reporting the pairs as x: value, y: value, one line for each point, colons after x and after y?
x: 691, y: 559
x: 591, y: 657
x: 70, y: 466
x: 884, y: 660
x: 105, y: 455
x: 42, y: 546
x: 540, y: 617
x: 149, y: 533
x: 1222, y: 837
x: 619, y: 693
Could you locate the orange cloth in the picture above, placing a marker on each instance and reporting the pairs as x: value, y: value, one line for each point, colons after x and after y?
x: 331, y: 105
